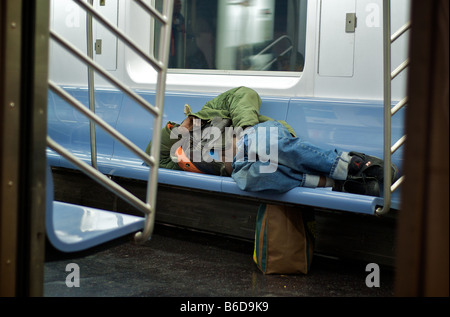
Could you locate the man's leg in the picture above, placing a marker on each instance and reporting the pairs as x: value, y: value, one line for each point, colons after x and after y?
x: 296, y: 153
x: 269, y: 153
x: 269, y: 158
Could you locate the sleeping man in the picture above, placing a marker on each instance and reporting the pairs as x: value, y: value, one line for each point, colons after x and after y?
x: 229, y: 137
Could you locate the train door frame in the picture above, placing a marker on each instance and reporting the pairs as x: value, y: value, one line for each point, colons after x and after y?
x: 423, y: 231
x: 23, y: 87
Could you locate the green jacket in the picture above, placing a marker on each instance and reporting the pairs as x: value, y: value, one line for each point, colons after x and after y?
x: 240, y: 104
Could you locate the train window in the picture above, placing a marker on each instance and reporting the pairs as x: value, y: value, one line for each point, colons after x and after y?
x: 241, y: 35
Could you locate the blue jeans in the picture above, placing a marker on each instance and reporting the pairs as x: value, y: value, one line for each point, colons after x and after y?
x: 269, y: 158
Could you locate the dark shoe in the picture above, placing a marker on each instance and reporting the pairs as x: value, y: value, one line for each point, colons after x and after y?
x: 362, y: 186
x: 362, y: 165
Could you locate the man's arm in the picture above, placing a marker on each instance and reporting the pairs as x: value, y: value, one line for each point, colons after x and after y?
x: 241, y: 105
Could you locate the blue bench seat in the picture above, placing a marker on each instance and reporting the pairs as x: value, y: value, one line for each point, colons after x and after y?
x: 331, y: 123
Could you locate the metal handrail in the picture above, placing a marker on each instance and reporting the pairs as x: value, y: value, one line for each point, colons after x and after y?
x: 99, y: 177
x: 158, y: 65
x: 98, y: 68
x: 275, y: 59
x: 400, y: 31
x: 389, y: 111
x: 108, y: 128
x: 273, y: 44
x: 148, y: 208
x: 270, y: 46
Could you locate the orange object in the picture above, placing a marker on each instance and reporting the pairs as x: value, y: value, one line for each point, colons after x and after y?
x: 184, y: 163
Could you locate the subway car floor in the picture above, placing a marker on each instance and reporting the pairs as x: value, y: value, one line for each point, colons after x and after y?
x: 183, y: 263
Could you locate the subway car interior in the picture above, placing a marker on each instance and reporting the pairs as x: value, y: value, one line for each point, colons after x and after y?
x: 89, y: 208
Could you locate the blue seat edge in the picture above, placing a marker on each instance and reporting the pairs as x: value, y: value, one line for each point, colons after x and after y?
x: 73, y: 228
x: 314, y: 197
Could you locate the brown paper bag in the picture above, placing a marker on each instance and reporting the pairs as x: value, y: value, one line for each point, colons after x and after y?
x: 284, y: 239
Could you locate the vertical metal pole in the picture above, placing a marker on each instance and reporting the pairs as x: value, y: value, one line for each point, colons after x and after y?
x: 151, y: 51
x: 90, y: 53
x: 387, y: 105
x: 152, y: 185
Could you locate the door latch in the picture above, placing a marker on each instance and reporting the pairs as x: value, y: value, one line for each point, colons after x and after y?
x: 350, y: 22
x: 98, y: 47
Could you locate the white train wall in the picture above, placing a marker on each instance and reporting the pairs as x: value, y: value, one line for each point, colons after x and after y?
x: 337, y: 63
